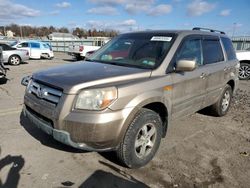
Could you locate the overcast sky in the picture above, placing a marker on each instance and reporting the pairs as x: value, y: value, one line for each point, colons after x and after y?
x: 130, y: 15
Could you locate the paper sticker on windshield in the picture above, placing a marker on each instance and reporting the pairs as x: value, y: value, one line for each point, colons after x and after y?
x: 161, y: 38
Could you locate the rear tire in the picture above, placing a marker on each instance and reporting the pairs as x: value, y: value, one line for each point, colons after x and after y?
x: 244, y: 71
x: 221, y: 107
x: 141, y: 140
x: 14, y: 60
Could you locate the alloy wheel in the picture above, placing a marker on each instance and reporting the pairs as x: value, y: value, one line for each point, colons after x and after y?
x: 145, y: 140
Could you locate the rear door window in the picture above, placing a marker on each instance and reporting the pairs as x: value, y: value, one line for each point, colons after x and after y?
x: 35, y: 45
x: 212, y: 51
x: 228, y: 48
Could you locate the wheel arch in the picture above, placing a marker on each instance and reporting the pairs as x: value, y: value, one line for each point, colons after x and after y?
x: 155, y: 104
x: 231, y: 83
x: 245, y: 61
x: 14, y: 55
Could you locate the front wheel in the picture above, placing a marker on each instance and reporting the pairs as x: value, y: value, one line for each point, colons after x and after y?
x: 14, y: 60
x: 221, y: 107
x: 244, y: 71
x: 141, y: 140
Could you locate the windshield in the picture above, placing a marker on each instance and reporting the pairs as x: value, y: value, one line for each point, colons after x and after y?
x: 13, y: 43
x: 142, y: 50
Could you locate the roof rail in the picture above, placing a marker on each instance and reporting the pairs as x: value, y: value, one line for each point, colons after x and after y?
x: 206, y: 29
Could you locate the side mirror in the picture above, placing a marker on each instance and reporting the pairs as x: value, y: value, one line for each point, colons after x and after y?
x: 19, y: 46
x: 25, y: 80
x: 185, y: 65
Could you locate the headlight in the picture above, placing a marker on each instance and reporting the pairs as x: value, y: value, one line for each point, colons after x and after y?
x: 96, y: 99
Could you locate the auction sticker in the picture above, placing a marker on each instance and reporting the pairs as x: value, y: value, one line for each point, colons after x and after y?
x: 161, y: 38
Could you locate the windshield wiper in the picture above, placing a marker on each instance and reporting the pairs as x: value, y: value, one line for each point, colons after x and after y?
x: 120, y: 64
x: 87, y: 59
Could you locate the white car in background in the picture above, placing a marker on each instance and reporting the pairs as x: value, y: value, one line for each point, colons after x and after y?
x: 12, y: 55
x: 36, y: 49
x: 244, y: 58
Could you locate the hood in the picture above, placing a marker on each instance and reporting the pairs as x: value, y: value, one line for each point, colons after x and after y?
x: 72, y: 77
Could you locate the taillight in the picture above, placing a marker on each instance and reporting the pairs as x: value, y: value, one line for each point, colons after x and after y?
x: 81, y: 48
x: 27, y: 53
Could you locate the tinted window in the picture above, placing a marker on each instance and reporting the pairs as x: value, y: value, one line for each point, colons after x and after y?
x: 34, y: 45
x: 6, y: 47
x: 212, y: 51
x: 229, y: 48
x: 142, y: 50
x: 190, y: 50
x: 23, y: 45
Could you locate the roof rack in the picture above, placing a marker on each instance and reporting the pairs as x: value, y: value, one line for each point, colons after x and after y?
x: 206, y: 29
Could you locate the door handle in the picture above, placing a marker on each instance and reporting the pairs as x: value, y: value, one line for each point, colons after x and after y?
x: 203, y: 76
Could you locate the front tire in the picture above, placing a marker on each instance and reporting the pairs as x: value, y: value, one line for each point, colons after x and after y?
x: 221, y: 107
x: 141, y: 140
x: 14, y: 60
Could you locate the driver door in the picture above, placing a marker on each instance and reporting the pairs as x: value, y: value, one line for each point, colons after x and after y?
x: 189, y: 88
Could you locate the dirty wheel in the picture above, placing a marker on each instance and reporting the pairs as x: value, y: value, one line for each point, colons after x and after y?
x: 244, y: 71
x: 221, y: 107
x: 14, y: 60
x: 141, y: 140
x: 45, y: 56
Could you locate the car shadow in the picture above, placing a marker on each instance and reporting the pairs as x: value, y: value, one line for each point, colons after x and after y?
x: 70, y: 60
x: 103, y: 179
x: 112, y: 157
x: 207, y: 112
x: 3, y: 81
x: 45, y: 139
x: 13, y: 176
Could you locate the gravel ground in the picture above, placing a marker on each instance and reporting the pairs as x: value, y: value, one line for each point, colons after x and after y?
x: 199, y: 151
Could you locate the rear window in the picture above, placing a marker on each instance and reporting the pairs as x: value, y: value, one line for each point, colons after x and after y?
x: 228, y: 48
x: 34, y: 45
x: 212, y: 51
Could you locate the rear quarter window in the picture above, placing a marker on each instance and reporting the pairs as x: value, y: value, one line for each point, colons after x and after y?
x: 212, y: 51
x: 228, y: 48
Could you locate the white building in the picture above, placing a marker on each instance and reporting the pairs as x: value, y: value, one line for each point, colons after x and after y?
x: 62, y: 36
x: 10, y: 34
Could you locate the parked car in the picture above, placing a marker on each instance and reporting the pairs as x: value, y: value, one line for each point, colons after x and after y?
x: 89, y: 53
x: 244, y: 58
x: 36, y: 49
x: 3, y: 69
x: 81, y: 51
x: 13, y: 56
x: 128, y: 92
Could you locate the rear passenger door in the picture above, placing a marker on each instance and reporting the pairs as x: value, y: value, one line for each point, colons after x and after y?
x: 215, y: 64
x: 189, y: 88
x: 35, y: 50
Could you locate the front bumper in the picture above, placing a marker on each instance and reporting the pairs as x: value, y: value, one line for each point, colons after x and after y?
x: 59, y: 135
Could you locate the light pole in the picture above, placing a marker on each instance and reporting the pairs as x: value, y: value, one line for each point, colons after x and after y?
x: 21, y: 32
x: 234, y: 29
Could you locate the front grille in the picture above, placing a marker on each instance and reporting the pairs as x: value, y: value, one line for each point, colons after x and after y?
x: 44, y: 92
x: 47, y: 121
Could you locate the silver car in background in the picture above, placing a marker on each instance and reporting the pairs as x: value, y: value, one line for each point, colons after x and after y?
x: 13, y: 56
